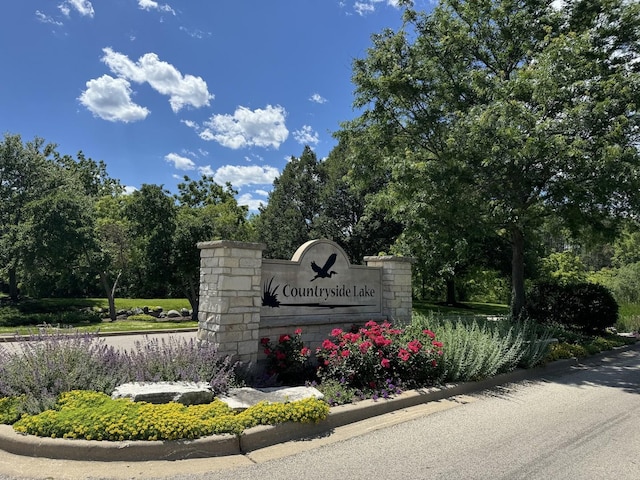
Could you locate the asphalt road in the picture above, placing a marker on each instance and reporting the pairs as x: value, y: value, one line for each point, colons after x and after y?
x: 584, y: 424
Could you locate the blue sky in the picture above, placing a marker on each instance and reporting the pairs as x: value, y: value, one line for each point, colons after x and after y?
x: 158, y: 90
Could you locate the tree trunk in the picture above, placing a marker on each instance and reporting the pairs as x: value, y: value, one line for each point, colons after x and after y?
x: 110, y: 292
x: 13, y: 284
x: 192, y: 291
x: 451, y: 291
x: 517, y: 272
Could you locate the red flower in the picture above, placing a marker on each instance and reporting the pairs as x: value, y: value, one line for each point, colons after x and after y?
x: 370, y: 324
x: 437, y: 344
x: 280, y: 356
x: 328, y: 345
x: 267, y: 351
x: 264, y: 341
x: 415, y: 346
x: 345, y: 353
x: 404, y: 355
x: 385, y: 363
x: 429, y: 333
x: 298, y: 331
x: 305, y: 352
x: 284, y: 338
x: 434, y: 363
x: 336, y: 332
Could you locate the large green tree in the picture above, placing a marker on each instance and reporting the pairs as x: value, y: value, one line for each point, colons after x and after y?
x: 205, y: 211
x: 151, y: 213
x: 286, y: 222
x: 529, y: 108
x: 23, y: 166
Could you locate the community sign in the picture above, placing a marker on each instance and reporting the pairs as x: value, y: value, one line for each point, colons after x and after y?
x: 319, y: 280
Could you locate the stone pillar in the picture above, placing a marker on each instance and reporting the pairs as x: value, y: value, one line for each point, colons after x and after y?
x: 230, y: 297
x: 397, y: 302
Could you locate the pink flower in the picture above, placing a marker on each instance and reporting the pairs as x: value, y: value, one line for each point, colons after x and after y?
x: 404, y: 355
x: 429, y: 333
x: 437, y: 344
x: 345, y: 353
x: 298, y: 331
x: 415, y: 346
x: 385, y: 363
x: 305, y: 352
x: 370, y: 324
x: 328, y: 344
x: 284, y: 338
x: 365, y: 346
x: 336, y: 332
x: 351, y: 337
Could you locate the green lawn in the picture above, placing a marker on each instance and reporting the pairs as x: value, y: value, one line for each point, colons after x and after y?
x: 464, y: 309
x: 119, y: 325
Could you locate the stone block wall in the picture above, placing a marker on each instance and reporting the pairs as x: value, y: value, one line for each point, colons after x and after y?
x: 397, y: 301
x: 231, y: 300
x: 230, y: 287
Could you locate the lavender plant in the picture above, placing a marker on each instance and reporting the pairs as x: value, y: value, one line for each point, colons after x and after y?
x: 46, y: 365
x: 179, y: 360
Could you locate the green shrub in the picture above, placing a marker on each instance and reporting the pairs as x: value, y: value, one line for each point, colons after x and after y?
x: 15, y: 317
x: 142, y: 317
x: 288, y: 358
x: 587, y: 306
x: 11, y: 409
x: 379, y: 357
x: 95, y: 416
x: 474, y: 349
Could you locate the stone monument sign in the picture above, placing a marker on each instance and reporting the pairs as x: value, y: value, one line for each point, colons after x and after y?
x: 320, y: 281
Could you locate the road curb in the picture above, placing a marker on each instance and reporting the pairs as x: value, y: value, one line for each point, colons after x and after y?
x: 264, y: 436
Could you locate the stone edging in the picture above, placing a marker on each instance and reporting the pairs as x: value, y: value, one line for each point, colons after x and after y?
x: 263, y: 436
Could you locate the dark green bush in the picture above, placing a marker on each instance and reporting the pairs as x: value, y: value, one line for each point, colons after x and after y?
x: 587, y: 306
x: 15, y: 317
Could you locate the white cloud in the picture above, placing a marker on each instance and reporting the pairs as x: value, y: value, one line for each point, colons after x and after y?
x: 369, y: 6
x: 317, y: 98
x: 195, y: 33
x: 179, y: 162
x: 151, y: 5
x: 83, y: 7
x: 162, y: 76
x: 248, y: 128
x: 239, y: 175
x: 110, y: 99
x: 248, y: 200
x: 364, y: 8
x: 128, y: 189
x: 306, y: 136
x: 47, y: 19
x: 206, y: 170
x: 263, y: 193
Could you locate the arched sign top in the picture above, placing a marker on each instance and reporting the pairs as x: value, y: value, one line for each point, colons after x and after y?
x: 313, y: 248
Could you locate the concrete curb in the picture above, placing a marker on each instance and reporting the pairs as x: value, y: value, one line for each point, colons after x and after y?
x: 264, y: 436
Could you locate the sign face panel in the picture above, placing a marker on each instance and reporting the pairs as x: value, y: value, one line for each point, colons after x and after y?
x: 319, y: 281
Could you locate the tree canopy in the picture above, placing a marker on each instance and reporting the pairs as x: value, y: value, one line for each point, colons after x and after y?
x: 525, y: 110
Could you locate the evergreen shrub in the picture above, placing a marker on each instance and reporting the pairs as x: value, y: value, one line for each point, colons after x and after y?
x: 587, y: 306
